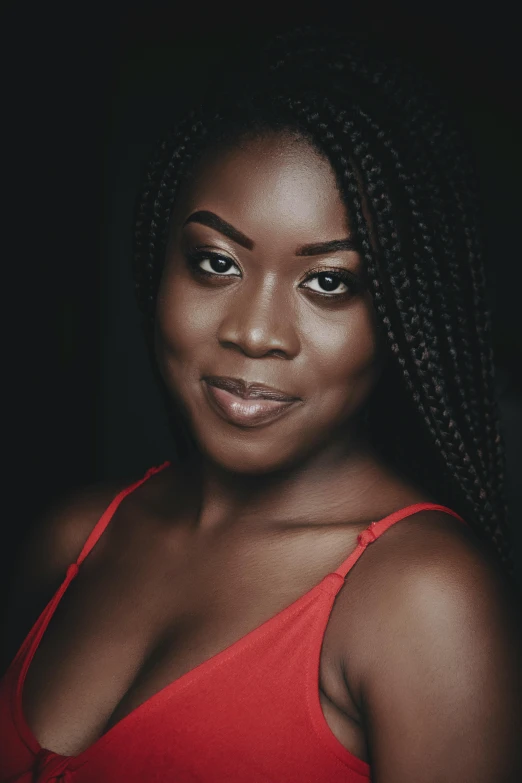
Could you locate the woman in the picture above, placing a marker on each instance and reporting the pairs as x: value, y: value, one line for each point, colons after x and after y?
x: 308, y: 265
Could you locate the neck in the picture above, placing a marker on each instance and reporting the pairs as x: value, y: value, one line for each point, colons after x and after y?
x: 332, y: 485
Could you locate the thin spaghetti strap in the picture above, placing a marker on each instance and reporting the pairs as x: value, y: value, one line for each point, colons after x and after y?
x: 32, y: 639
x: 108, y: 514
x: 376, y: 529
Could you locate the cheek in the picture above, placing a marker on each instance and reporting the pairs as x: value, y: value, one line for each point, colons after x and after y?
x: 347, y: 355
x: 182, y: 322
x: 180, y: 328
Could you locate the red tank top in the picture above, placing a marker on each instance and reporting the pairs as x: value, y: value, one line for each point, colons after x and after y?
x: 249, y: 714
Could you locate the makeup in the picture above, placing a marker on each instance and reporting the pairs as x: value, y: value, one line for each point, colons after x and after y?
x: 245, y: 412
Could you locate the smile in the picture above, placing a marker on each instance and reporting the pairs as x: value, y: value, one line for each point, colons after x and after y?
x: 245, y: 412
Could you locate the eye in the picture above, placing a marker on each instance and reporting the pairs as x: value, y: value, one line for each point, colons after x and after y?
x: 330, y: 280
x: 212, y: 264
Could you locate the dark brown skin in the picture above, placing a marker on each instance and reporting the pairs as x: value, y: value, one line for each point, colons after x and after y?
x: 182, y: 570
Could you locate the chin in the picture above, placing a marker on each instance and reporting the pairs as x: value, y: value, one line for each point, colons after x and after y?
x: 248, y: 450
x: 248, y: 458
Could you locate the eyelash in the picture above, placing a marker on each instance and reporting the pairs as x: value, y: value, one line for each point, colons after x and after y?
x: 348, y: 278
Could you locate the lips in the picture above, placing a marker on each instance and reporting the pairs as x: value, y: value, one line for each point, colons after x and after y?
x: 250, y: 411
x: 248, y: 391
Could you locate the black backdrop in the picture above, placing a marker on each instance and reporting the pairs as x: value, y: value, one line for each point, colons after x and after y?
x: 86, y: 92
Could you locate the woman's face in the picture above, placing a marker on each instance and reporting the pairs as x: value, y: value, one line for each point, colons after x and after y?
x: 261, y: 284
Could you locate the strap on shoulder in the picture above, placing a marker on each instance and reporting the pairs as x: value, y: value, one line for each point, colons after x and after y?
x: 376, y: 529
x: 107, y: 515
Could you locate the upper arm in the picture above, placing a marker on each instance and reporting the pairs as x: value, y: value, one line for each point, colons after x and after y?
x: 50, y: 545
x: 441, y: 692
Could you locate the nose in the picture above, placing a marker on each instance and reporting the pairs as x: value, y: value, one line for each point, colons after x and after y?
x: 261, y: 320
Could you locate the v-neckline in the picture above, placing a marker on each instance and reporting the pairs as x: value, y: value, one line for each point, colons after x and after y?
x: 178, y: 684
x: 334, y: 578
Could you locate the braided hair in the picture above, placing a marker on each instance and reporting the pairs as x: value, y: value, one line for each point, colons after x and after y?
x: 408, y: 184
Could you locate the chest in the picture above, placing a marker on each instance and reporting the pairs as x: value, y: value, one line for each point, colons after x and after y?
x: 128, y: 628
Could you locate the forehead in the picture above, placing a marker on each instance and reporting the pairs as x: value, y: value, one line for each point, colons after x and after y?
x: 279, y: 184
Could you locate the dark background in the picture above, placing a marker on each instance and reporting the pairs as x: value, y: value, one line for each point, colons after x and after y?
x: 87, y: 90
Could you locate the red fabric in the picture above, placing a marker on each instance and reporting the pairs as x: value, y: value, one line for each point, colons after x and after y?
x: 251, y: 713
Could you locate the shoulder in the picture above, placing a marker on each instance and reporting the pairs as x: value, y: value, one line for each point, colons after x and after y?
x: 55, y: 539
x: 51, y: 543
x: 436, y: 659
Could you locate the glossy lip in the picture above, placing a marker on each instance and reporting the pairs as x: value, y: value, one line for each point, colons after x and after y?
x: 246, y: 390
x: 245, y: 412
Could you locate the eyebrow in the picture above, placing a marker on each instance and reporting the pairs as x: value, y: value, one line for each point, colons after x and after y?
x: 211, y: 220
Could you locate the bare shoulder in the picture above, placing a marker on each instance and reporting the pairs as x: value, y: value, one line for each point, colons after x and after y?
x: 438, y: 624
x: 52, y: 542
x: 55, y: 540
x: 427, y: 553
